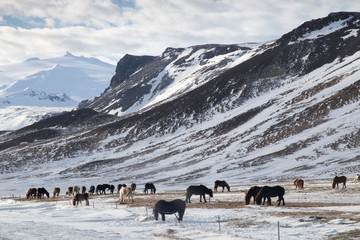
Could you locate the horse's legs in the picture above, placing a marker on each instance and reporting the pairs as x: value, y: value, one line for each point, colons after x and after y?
x: 223, y: 188
x: 200, y: 197
x: 269, y: 201
x: 162, y: 216
x: 204, y: 197
x: 188, y: 196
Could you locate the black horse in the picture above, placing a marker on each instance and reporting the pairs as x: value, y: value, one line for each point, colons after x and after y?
x: 222, y: 184
x: 151, y: 187
x: 112, y: 188
x: 41, y: 192
x: 198, y: 190
x: 101, y: 188
x: 267, y: 192
x: 92, y: 189
x: 163, y: 207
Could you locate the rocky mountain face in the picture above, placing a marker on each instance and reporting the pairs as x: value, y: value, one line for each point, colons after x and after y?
x: 142, y: 81
x: 242, y: 113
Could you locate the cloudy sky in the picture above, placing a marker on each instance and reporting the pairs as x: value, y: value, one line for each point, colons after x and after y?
x: 108, y: 29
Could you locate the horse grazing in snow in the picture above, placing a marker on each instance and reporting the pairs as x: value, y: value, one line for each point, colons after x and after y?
x: 79, y: 197
x: 299, y: 183
x: 31, y: 193
x: 337, y: 180
x: 222, y: 184
x: 151, y: 187
x: 163, y: 207
x: 269, y: 192
x: 251, y: 193
x: 41, y: 192
x: 198, y: 190
x: 56, y: 192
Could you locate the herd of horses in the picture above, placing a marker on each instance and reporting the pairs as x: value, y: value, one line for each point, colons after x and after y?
x: 260, y: 195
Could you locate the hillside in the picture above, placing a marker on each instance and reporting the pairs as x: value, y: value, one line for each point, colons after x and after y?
x: 263, y: 113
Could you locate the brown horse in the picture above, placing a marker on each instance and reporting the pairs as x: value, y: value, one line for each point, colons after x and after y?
x: 299, y: 183
x: 337, y: 180
x: 31, y: 192
x: 56, y: 192
x: 70, y: 191
x: 79, y: 197
x: 83, y: 189
x: 119, y: 187
x: 222, y: 184
x: 133, y: 187
x: 251, y: 193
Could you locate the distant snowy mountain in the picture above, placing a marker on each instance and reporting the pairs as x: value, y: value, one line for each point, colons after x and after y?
x: 275, y: 111
x: 54, y: 83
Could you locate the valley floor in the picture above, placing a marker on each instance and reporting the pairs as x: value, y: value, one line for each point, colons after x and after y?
x: 315, y: 212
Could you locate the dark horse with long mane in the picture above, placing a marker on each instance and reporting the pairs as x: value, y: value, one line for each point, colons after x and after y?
x: 198, y: 190
x: 101, y: 188
x: 251, y: 193
x: 151, y: 187
x: 222, y: 184
x: 267, y: 192
x: 163, y: 207
x: 41, y: 192
x: 31, y: 192
x: 337, y: 180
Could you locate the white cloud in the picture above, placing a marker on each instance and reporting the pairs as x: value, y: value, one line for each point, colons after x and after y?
x: 108, y: 30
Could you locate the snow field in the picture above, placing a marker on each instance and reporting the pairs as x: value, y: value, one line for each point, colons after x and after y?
x: 315, y: 212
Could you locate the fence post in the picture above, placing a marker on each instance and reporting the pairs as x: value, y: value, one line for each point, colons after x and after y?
x: 278, y: 230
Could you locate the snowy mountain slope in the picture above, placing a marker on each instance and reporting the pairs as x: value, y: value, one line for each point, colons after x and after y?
x: 37, y: 84
x: 141, y: 82
x: 291, y: 108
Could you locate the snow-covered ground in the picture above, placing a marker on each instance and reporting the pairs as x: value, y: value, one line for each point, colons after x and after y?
x: 315, y: 212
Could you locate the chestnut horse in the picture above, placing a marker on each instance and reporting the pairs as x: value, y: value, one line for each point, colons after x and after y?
x: 31, y: 192
x: 163, y: 207
x: 222, y: 184
x: 83, y: 189
x: 337, y: 180
x: 251, y: 193
x: 299, y: 183
x: 56, y: 192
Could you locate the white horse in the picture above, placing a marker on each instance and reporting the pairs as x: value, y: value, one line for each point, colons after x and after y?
x: 357, y: 178
x: 125, y: 192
